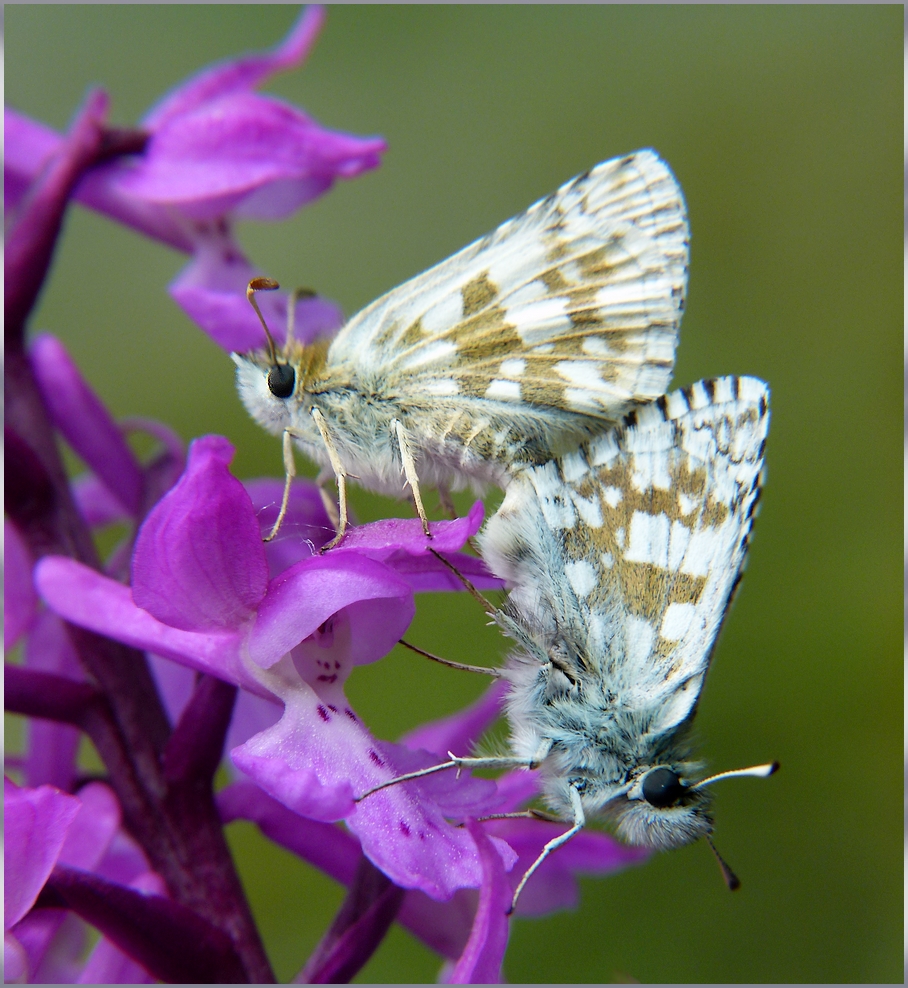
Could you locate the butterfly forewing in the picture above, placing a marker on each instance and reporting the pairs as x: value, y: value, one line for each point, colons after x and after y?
x: 572, y: 307
x: 513, y: 351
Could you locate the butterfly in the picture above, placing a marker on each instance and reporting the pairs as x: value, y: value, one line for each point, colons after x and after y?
x: 623, y: 558
x: 511, y: 352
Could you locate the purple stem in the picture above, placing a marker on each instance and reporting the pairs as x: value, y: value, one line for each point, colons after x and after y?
x: 30, y: 245
x: 172, y: 942
x: 43, y: 694
x: 174, y: 819
x: 196, y: 746
x: 371, y: 905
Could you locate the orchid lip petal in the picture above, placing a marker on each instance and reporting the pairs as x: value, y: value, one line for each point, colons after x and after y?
x: 403, y: 831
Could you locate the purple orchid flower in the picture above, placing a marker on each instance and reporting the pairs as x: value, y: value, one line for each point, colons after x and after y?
x: 201, y: 596
x: 213, y: 151
x: 449, y: 926
x: 215, y: 148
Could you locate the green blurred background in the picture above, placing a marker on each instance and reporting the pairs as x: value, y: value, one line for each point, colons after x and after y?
x: 783, y: 125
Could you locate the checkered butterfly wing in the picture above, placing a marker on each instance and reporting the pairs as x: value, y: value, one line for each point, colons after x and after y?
x: 571, y: 307
x: 628, y: 551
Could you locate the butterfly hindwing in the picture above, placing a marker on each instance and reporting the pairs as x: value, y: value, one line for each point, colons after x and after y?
x: 630, y: 548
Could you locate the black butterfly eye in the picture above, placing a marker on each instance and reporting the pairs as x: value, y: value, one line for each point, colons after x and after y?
x: 662, y: 787
x: 281, y: 380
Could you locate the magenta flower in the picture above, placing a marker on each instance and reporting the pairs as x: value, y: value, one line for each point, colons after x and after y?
x: 201, y: 596
x: 209, y: 152
x: 214, y: 149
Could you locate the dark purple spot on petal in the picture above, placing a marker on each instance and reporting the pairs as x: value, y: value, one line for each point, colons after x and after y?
x: 328, y: 679
x: 404, y: 829
x: 331, y: 705
x: 325, y: 716
x: 374, y: 755
x: 350, y: 713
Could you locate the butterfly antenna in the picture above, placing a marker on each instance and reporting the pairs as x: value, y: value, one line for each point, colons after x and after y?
x: 485, y: 670
x: 731, y: 879
x: 263, y: 285
x: 474, y: 593
x: 755, y: 771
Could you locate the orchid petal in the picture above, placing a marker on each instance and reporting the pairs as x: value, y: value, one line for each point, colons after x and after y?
x: 15, y: 961
x: 381, y: 539
x: 28, y: 147
x: 199, y: 563
x: 401, y: 828
x: 402, y: 545
x: 379, y: 606
x: 84, y: 421
x: 93, y: 829
x: 306, y: 526
x: 323, y: 845
x: 206, y: 161
x: 36, y: 822
x: 211, y: 289
x: 553, y: 885
x: 98, y: 505
x: 460, y: 731
x: 90, y: 600
x: 482, y: 958
x: 238, y: 74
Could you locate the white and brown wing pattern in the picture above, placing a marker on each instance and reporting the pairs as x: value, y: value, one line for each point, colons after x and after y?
x: 571, y: 308
x: 624, y: 557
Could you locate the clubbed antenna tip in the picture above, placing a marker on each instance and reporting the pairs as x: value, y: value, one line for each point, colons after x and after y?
x: 263, y: 285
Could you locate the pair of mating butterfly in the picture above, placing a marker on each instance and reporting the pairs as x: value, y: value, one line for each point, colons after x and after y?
x: 537, y: 359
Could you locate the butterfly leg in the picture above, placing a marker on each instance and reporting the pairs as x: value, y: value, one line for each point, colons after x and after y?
x: 579, y: 823
x: 409, y: 465
x: 340, y: 475
x: 503, y: 761
x: 289, y: 474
